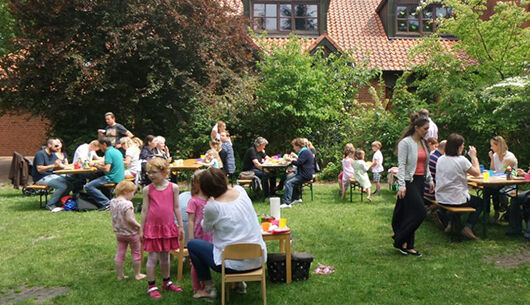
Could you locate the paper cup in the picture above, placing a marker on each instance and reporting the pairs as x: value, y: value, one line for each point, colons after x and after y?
x: 283, y: 223
x: 486, y: 175
x: 265, y: 226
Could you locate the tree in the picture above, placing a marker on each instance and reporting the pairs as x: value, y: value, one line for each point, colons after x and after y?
x: 156, y: 64
x: 454, y: 81
x: 301, y: 95
x: 7, y: 32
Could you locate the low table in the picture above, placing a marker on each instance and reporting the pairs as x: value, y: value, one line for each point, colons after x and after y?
x: 285, y: 246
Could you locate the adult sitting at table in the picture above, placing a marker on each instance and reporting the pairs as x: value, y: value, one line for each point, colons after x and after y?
x: 451, y: 180
x: 161, y: 150
x: 519, y: 210
x: 305, y: 169
x: 86, y: 152
x: 113, y: 169
x: 252, y: 161
x: 44, y: 163
x: 231, y: 216
x: 114, y: 131
x: 132, y: 157
x: 499, y: 152
x: 60, y: 153
x: 148, y: 150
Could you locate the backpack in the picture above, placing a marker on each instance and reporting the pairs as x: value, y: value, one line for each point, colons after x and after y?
x: 85, y: 202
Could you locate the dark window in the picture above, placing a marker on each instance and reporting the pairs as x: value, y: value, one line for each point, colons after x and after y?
x: 413, y: 20
x: 285, y: 17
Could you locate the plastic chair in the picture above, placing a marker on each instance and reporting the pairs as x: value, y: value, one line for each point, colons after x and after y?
x: 240, y: 252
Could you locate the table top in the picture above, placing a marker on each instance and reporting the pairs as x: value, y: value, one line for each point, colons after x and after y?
x: 188, y: 164
x: 280, y: 164
x: 497, y: 180
x: 69, y: 169
x: 282, y: 234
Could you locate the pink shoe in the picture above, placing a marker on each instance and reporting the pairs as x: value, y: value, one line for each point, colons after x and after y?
x: 153, y: 292
x: 169, y: 286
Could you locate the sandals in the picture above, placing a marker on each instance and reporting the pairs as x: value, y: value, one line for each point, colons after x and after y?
x: 154, y: 293
x: 169, y: 286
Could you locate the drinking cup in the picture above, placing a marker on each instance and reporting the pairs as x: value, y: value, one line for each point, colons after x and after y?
x: 527, y: 177
x: 202, y: 157
x: 481, y: 168
x: 486, y: 175
x: 283, y: 223
x: 265, y: 226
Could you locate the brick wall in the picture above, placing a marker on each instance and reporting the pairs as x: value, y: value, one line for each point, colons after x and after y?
x: 364, y: 94
x: 21, y: 133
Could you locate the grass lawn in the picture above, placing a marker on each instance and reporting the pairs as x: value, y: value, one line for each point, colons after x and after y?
x: 77, y: 250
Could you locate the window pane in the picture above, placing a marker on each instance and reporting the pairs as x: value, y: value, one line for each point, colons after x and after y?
x: 301, y: 10
x: 413, y: 13
x: 312, y: 10
x: 300, y: 24
x: 286, y: 24
x: 271, y: 10
x: 259, y: 10
x: 259, y: 23
x: 427, y: 26
x: 449, y: 12
x: 312, y: 24
x: 427, y: 13
x: 441, y: 12
x: 414, y: 26
x: 401, y: 12
x: 271, y: 24
x: 402, y: 25
x: 286, y: 10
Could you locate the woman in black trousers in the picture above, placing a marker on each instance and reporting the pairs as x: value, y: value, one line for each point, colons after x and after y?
x: 413, y: 159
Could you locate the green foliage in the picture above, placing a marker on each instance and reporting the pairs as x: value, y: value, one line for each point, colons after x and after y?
x: 301, y: 95
x: 457, y: 84
x: 7, y: 32
x: 156, y: 65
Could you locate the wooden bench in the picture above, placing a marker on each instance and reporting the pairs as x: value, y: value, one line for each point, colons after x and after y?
x: 310, y: 185
x: 37, y: 189
x: 112, y: 185
x: 353, y: 184
x: 456, y: 211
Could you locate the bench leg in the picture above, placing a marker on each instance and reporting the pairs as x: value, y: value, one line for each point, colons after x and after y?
x: 311, y: 188
x: 351, y: 192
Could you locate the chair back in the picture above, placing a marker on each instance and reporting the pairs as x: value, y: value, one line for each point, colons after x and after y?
x: 242, y: 251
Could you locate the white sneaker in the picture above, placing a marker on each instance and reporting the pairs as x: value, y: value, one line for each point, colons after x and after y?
x: 298, y: 200
x: 283, y: 205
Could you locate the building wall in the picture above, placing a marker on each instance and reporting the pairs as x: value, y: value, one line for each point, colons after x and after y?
x: 21, y: 133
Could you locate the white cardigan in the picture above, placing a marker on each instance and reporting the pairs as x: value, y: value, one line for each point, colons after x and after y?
x: 408, y: 159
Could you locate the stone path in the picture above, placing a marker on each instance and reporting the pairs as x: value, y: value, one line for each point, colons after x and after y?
x: 37, y: 294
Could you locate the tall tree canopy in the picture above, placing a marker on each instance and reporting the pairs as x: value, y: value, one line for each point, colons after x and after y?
x: 156, y: 64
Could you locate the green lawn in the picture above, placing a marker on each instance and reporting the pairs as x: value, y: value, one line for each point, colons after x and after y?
x: 77, y: 250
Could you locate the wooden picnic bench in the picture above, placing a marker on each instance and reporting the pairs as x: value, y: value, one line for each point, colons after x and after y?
x: 37, y: 189
x: 456, y: 211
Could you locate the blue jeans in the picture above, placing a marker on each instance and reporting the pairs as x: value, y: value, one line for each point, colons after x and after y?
x: 474, y: 202
x: 201, y: 255
x: 290, y: 184
x: 92, y: 189
x: 268, y: 181
x: 61, y: 184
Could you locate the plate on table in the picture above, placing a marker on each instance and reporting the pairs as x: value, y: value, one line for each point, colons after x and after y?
x: 280, y: 230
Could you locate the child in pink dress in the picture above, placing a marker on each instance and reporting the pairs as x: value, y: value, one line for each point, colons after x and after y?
x: 195, y: 212
x: 347, y: 170
x: 126, y: 228
x: 160, y: 234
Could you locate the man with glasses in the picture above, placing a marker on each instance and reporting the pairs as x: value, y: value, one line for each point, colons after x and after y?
x: 44, y: 163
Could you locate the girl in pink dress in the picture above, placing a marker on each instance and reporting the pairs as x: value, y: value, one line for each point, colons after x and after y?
x: 160, y: 234
x: 347, y: 170
x: 195, y: 212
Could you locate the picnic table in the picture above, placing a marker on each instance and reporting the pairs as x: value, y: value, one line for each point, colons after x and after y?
x: 179, y: 166
x: 70, y: 170
x: 495, y: 180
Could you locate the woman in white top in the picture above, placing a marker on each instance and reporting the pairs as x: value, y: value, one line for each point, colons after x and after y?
x: 132, y: 156
x: 451, y: 180
x: 230, y: 215
x: 498, y: 153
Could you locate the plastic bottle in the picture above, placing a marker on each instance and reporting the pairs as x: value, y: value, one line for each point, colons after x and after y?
x: 508, y: 172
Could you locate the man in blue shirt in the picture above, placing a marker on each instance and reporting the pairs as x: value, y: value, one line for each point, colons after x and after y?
x: 114, y: 171
x: 44, y: 163
x: 305, y: 169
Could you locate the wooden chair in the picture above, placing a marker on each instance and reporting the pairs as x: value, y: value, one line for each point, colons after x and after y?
x: 180, y: 254
x: 240, y: 252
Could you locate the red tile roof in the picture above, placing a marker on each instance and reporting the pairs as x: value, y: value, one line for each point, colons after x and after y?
x: 355, y: 25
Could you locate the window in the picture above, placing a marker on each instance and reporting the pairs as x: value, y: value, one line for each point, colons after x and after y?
x: 285, y: 17
x: 413, y: 20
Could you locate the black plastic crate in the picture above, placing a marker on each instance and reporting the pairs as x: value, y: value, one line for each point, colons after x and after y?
x: 300, y: 266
